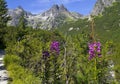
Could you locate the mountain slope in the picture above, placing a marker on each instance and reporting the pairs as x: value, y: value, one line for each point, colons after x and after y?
x: 100, y: 6
x: 107, y: 25
x: 51, y: 18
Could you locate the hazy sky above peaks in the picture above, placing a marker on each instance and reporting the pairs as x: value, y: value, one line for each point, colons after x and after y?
x: 37, y: 6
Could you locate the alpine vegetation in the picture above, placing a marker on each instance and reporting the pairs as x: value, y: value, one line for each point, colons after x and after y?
x: 61, y: 47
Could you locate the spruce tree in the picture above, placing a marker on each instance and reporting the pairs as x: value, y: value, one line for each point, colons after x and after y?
x: 21, y: 26
x: 22, y: 22
x: 4, y: 18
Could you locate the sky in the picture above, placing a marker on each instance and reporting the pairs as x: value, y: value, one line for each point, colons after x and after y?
x: 37, y: 6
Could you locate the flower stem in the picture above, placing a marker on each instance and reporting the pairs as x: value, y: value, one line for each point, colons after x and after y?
x: 95, y: 72
x: 92, y: 30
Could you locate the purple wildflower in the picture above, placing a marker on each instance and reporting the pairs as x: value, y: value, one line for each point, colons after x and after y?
x: 54, y: 47
x: 94, y: 49
x: 45, y: 54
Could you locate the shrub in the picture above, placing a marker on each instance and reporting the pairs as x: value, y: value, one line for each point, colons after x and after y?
x: 9, y: 59
x: 20, y: 75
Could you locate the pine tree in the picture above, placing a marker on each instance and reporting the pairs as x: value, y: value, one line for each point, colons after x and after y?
x: 4, y: 18
x: 22, y: 22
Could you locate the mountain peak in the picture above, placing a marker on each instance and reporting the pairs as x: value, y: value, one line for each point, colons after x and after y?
x: 62, y: 8
x: 20, y: 8
x: 55, y: 7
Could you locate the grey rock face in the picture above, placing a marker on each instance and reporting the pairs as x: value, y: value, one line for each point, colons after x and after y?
x: 51, y: 18
x: 62, y: 8
x: 15, y: 15
x: 100, y: 6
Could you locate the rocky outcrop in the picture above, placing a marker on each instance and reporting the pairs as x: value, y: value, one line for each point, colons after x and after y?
x: 100, y: 6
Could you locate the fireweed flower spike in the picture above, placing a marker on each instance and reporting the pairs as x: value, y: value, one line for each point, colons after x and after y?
x: 94, y: 49
x: 54, y: 47
x: 45, y: 54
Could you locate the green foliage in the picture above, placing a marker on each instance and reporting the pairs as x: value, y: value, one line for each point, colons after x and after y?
x: 3, y: 21
x: 3, y: 14
x: 10, y: 59
x: 24, y: 49
x: 116, y: 60
x: 106, y: 29
x: 107, y: 26
x: 22, y: 22
x: 78, y: 27
x: 21, y: 76
x: 17, y: 73
x: 26, y: 65
x: 10, y: 36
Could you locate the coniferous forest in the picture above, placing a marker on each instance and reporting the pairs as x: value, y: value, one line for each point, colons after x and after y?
x: 89, y: 55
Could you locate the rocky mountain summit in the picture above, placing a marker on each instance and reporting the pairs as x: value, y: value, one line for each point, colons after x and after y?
x: 51, y: 18
x: 15, y: 15
x: 100, y: 6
